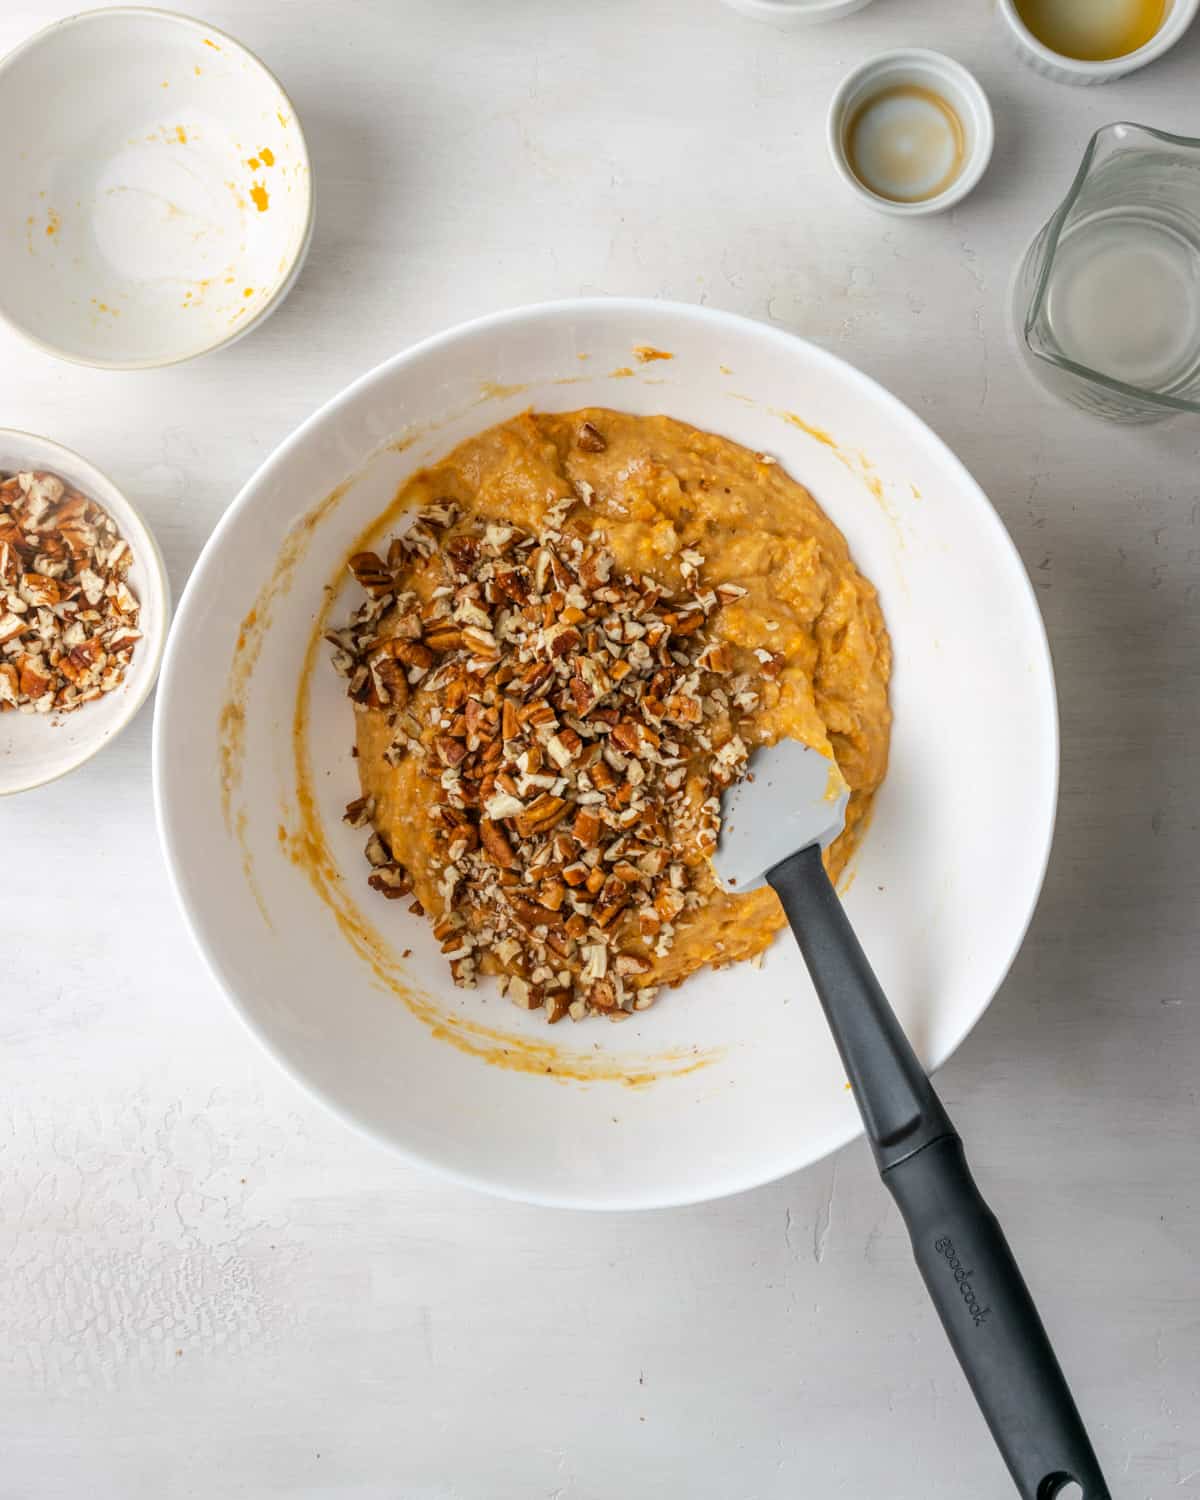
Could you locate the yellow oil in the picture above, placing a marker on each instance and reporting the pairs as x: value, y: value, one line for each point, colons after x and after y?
x: 1092, y: 30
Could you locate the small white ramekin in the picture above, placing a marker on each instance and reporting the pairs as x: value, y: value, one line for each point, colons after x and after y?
x: 789, y: 13
x: 941, y: 75
x: 1180, y: 15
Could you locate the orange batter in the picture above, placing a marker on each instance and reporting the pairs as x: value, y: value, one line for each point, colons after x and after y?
x: 808, y: 631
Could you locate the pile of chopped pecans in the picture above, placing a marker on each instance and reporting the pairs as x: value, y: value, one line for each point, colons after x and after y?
x: 578, y: 728
x: 68, y: 621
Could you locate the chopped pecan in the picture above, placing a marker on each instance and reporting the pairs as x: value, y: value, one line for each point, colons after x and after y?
x: 716, y: 658
x: 371, y: 573
x: 529, y: 913
x: 480, y: 642
x: 495, y: 841
x: 559, y: 749
x: 627, y: 735
x: 391, y: 685
x: 37, y: 590
x: 541, y: 815
x: 680, y: 708
x: 562, y: 639
x: 11, y: 626
x: 523, y: 994
x: 461, y: 841
x: 441, y: 638
x: 378, y: 852
x: 551, y: 894
x: 513, y: 584
x: 586, y: 827
x: 390, y: 881
x: 412, y: 653
x: 33, y: 677
x: 450, y: 752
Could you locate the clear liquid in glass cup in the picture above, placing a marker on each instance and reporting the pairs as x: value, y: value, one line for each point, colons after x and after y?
x: 1107, y: 298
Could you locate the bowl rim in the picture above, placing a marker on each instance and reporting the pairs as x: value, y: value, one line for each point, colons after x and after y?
x: 799, y: 12
x: 148, y: 550
x: 1084, y: 70
x: 744, y: 1179
x: 286, y: 281
x: 978, y: 162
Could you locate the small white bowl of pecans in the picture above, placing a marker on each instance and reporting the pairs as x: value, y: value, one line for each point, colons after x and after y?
x: 84, y: 604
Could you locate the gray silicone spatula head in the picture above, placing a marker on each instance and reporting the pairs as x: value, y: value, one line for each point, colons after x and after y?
x: 793, y: 796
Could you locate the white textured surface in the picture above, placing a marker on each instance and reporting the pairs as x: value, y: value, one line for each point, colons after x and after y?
x: 211, y: 1288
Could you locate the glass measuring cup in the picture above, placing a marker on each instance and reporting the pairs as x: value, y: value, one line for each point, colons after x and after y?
x: 1106, y: 302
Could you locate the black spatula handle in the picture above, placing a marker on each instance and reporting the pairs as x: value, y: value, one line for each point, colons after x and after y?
x: 958, y: 1245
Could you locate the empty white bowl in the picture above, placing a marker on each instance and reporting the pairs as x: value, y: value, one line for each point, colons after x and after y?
x: 157, y: 198
x: 36, y: 748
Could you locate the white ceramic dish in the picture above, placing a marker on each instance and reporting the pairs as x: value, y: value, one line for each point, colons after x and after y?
x: 36, y: 748
x: 939, y: 74
x: 1179, y: 16
x: 789, y: 13
x: 944, y: 885
x: 157, y: 199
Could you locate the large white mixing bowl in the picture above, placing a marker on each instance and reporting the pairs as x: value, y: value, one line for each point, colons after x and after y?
x: 732, y: 1080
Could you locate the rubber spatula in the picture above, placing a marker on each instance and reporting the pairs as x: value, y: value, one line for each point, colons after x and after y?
x: 774, y: 828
